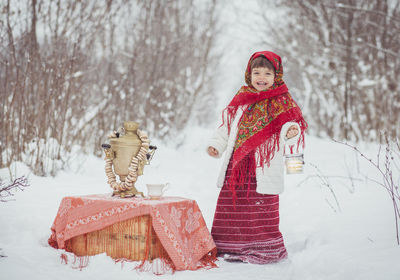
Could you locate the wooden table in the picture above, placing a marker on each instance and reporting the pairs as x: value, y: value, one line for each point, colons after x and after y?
x: 134, y: 228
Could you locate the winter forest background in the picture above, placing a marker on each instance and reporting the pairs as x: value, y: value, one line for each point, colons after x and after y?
x: 71, y: 71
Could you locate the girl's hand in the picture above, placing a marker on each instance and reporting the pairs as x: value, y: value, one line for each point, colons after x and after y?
x: 292, y: 132
x: 212, y: 151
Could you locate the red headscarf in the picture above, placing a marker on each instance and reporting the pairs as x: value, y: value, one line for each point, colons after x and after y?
x: 262, y: 120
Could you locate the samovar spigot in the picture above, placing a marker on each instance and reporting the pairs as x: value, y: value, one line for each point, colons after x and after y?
x: 107, y: 150
x: 150, y: 154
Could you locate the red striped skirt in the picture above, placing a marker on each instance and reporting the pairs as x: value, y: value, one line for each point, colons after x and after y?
x: 249, y: 230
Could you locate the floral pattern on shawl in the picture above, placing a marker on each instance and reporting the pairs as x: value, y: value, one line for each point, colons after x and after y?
x: 259, y: 115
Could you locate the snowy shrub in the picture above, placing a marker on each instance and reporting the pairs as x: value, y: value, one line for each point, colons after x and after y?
x: 387, y: 164
x: 8, y: 190
x: 72, y: 71
x: 342, y: 63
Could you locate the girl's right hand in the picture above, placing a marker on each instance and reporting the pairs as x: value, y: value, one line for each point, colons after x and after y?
x: 212, y: 151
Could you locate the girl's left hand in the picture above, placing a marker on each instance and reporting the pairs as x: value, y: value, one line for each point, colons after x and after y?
x: 212, y: 151
x: 292, y: 132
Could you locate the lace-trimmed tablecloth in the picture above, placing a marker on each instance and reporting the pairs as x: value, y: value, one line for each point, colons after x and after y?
x: 178, y: 223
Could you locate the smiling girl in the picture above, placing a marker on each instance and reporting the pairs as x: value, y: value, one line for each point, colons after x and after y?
x: 259, y: 120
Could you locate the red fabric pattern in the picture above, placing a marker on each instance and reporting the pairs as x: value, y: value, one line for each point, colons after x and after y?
x: 249, y: 229
x: 178, y: 223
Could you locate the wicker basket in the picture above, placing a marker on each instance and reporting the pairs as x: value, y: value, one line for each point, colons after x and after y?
x: 132, y: 239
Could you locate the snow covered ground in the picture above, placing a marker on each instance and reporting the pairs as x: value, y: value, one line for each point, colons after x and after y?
x: 351, y: 238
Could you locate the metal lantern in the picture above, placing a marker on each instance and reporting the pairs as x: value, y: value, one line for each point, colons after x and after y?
x: 294, y: 163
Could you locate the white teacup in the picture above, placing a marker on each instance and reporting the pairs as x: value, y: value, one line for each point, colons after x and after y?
x: 156, y: 191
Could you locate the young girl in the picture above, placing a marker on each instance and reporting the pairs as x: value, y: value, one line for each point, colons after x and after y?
x: 259, y: 120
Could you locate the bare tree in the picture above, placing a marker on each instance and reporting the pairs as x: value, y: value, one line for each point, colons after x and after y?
x: 70, y: 71
x: 347, y: 54
x: 42, y: 91
x: 162, y: 72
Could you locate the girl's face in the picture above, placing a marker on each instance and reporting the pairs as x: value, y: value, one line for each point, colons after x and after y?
x: 262, y: 78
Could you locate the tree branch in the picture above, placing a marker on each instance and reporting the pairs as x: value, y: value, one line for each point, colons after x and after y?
x: 7, y: 191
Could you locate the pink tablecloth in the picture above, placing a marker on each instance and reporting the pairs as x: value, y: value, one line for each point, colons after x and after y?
x: 177, y: 222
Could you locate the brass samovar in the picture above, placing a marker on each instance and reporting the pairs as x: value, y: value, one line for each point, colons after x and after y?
x: 126, y: 156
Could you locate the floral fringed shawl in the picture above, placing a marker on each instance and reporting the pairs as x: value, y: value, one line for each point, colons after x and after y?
x: 260, y: 125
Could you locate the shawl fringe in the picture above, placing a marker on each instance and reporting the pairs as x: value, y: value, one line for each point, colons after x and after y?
x: 272, y: 109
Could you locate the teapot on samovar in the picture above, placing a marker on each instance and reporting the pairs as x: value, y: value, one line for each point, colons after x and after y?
x: 126, y: 156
